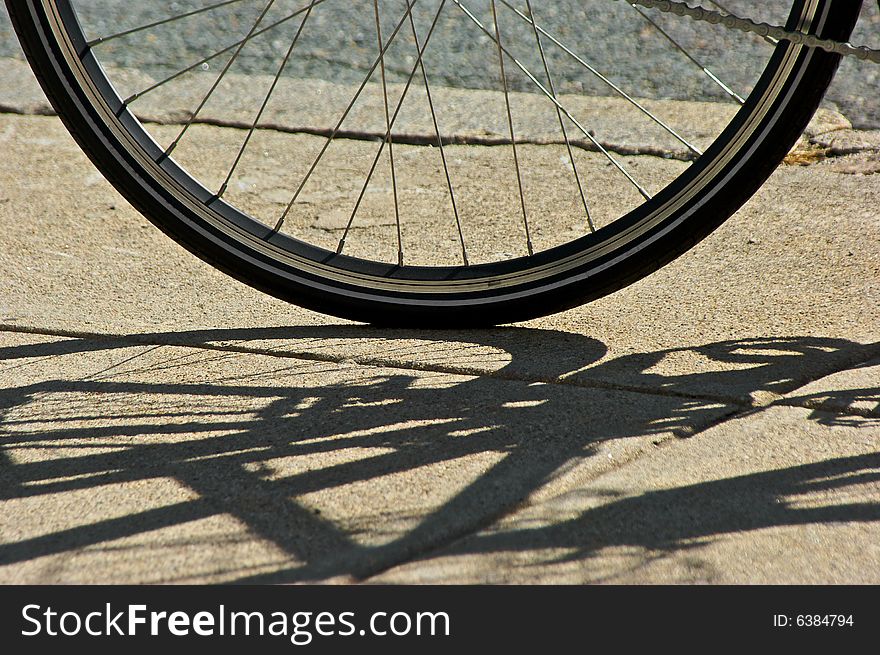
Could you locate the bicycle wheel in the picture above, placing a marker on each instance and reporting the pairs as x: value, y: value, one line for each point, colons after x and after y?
x: 430, y: 162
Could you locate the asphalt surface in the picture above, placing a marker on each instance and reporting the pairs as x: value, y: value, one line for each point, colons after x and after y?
x: 340, y: 43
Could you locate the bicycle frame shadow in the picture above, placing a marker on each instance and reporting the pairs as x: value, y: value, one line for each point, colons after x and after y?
x: 522, y: 431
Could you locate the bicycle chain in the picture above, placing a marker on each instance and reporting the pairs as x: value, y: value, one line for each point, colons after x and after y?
x: 766, y: 30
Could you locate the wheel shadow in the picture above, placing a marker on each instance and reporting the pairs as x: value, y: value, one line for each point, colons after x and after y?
x: 237, y: 441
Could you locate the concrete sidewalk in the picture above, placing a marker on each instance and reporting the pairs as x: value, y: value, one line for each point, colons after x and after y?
x: 716, y: 422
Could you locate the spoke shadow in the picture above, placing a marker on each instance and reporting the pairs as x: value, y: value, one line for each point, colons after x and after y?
x: 238, y: 440
x: 687, y: 517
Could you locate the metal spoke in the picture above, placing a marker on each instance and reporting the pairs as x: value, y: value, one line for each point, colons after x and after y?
x: 389, y: 138
x: 403, y: 95
x: 556, y: 102
x: 623, y: 94
x: 164, y: 21
x: 259, y: 115
x: 552, y: 88
x: 220, y: 77
x: 280, y: 223
x: 205, y: 60
x: 522, y: 196
x: 733, y: 94
x: 439, y: 139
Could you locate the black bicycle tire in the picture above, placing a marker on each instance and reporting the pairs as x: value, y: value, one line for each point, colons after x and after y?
x: 487, y: 307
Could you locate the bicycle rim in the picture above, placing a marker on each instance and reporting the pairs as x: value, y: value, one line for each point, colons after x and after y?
x: 218, y: 224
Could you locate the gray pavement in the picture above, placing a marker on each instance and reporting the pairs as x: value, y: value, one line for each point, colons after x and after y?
x: 340, y: 40
x: 718, y: 421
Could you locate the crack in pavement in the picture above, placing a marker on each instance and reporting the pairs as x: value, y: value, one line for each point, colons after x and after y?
x: 453, y: 139
x: 760, y: 400
x: 430, y: 140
